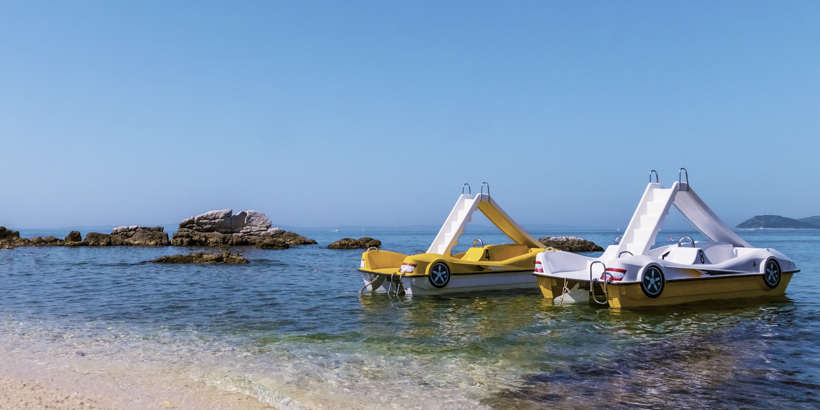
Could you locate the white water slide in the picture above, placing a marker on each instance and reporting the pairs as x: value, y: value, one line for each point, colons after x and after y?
x: 461, y: 214
x: 648, y: 219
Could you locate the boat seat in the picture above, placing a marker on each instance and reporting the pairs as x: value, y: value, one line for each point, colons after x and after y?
x: 687, y: 256
x: 720, y: 252
x: 504, y: 252
x: 476, y: 254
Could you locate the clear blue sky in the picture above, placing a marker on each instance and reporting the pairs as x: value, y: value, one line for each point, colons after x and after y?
x: 374, y: 113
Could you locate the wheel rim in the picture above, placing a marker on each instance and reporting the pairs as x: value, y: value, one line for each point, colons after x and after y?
x: 439, y: 275
x: 652, y: 282
x: 772, y: 274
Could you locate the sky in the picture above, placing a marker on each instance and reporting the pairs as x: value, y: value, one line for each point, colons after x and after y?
x: 375, y: 113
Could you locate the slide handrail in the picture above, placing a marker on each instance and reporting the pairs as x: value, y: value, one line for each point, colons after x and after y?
x: 687, y: 178
x: 488, y: 188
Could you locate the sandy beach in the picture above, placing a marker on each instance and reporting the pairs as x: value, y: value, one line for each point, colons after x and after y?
x: 67, y: 385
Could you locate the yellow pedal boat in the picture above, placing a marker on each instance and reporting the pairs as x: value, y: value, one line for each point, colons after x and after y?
x: 631, y: 273
x: 480, y: 268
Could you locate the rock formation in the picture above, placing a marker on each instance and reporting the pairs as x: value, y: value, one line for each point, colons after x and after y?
x: 222, y: 228
x: 9, y: 239
x: 252, y: 223
x: 570, y: 244
x: 97, y: 239
x: 122, y: 236
x: 74, y: 236
x: 226, y: 258
x: 47, y: 241
x: 350, y: 243
x: 272, y: 243
x: 139, y: 236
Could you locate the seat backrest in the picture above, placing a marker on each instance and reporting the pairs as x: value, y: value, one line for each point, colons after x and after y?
x: 475, y: 254
x: 720, y: 252
x: 686, y: 256
x: 504, y: 252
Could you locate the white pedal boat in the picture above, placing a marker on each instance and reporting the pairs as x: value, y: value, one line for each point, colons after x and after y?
x: 438, y: 271
x: 632, y: 274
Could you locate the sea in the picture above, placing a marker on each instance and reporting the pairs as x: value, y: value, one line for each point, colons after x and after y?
x: 292, y: 330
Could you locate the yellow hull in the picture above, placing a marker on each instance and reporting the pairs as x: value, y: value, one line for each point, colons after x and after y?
x: 630, y: 295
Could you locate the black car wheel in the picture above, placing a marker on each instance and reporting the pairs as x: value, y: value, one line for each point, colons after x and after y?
x: 772, y: 273
x: 439, y: 275
x: 653, y: 281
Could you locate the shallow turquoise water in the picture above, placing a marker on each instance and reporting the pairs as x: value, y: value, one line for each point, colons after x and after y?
x: 291, y: 329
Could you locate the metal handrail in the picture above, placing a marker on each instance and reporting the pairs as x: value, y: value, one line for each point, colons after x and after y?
x: 469, y: 189
x: 478, y: 240
x: 593, y: 280
x: 656, y: 176
x: 680, y: 242
x: 623, y: 252
x: 488, y: 188
x: 372, y: 248
x: 417, y: 250
x: 618, y: 239
x: 687, y: 178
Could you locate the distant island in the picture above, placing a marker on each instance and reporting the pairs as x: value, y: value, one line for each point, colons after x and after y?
x: 780, y: 222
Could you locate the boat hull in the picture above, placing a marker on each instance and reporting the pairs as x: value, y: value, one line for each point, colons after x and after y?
x: 459, y: 283
x: 630, y: 295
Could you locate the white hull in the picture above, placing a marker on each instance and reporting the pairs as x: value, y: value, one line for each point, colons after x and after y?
x: 464, y: 283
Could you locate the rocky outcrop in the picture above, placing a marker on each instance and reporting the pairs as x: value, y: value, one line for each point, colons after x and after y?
x: 222, y: 228
x: 122, y: 236
x: 226, y: 258
x: 272, y: 243
x: 139, y: 236
x: 74, y: 236
x: 350, y: 243
x: 97, y: 239
x: 291, y: 238
x: 252, y: 223
x: 570, y: 244
x: 9, y: 239
x: 47, y: 241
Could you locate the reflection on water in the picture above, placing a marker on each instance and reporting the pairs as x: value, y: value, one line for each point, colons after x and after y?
x: 291, y: 330
x: 724, y: 355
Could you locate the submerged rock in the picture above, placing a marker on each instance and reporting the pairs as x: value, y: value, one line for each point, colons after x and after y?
x: 570, y: 244
x: 350, y: 243
x: 226, y: 258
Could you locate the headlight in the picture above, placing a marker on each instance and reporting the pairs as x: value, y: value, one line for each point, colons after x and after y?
x: 614, y: 274
x: 407, y: 268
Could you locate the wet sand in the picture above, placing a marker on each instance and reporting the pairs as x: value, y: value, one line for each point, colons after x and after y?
x: 28, y: 384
